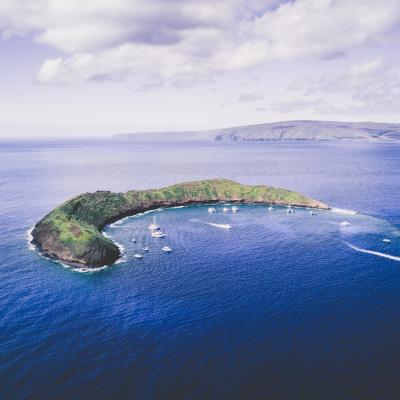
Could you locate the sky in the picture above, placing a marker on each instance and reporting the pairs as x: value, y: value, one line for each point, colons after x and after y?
x: 98, y: 67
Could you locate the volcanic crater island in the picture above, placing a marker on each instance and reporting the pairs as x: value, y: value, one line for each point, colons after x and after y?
x: 71, y: 233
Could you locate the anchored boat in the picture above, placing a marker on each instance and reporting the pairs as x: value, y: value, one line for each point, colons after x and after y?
x: 158, y: 234
x: 153, y: 226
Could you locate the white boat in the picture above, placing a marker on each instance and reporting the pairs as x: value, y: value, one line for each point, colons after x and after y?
x: 235, y: 209
x: 137, y: 255
x: 270, y: 208
x: 153, y: 226
x: 290, y: 210
x: 223, y: 226
x: 312, y: 212
x: 133, y: 240
x: 211, y: 209
x: 167, y: 249
x: 158, y: 234
x: 225, y: 209
x: 146, y: 248
x: 386, y: 241
x: 345, y: 223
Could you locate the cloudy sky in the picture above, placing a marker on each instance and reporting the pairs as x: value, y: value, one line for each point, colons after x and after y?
x: 98, y: 67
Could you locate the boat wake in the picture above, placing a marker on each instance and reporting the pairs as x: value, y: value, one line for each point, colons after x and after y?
x: 372, y: 252
x: 343, y: 211
x: 222, y: 226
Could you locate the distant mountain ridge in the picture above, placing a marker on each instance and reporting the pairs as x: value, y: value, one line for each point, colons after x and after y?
x: 287, y: 130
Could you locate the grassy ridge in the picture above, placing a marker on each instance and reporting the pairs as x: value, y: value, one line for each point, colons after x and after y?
x: 72, y: 231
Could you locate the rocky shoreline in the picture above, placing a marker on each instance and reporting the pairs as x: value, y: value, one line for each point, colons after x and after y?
x: 71, y: 233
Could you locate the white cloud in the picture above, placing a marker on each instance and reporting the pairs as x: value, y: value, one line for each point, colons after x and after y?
x: 288, y: 104
x: 87, y: 25
x: 324, y: 28
x: 251, y: 97
x: 165, y: 40
x: 364, y: 89
x: 365, y: 68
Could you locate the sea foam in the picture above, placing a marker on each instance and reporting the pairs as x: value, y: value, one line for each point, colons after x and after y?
x: 29, y: 237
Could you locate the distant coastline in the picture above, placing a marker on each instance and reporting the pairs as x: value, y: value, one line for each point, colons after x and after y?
x: 282, y: 131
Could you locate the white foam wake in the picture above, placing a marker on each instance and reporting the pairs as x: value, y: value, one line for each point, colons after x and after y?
x: 343, y: 211
x: 29, y: 236
x: 120, y: 246
x: 374, y: 253
x: 81, y: 270
x: 119, y: 222
x: 222, y: 226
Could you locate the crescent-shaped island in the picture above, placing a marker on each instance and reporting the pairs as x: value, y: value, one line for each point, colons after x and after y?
x: 71, y: 233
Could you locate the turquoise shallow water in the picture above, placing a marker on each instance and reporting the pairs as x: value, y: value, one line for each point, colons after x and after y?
x: 278, y: 306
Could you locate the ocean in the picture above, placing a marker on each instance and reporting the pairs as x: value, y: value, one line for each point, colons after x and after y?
x: 279, y: 306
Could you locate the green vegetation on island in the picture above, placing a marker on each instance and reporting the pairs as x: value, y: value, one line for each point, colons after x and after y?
x: 72, y: 232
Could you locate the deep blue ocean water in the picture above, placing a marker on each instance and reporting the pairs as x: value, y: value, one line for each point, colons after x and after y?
x: 277, y: 307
